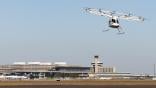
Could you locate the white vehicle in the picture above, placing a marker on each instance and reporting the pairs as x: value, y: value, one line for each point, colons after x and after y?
x: 114, y: 17
x: 154, y: 78
x: 16, y: 77
x: 12, y: 77
x: 2, y: 77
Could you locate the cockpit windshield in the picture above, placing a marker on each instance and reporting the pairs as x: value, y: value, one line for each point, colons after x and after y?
x: 115, y: 21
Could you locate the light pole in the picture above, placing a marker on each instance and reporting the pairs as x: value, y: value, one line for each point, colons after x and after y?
x: 154, y: 71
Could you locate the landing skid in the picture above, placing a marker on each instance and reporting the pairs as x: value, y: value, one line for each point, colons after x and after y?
x: 105, y: 30
x: 120, y: 31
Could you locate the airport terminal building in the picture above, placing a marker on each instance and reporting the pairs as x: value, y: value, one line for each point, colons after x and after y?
x: 62, y: 70
x: 42, y: 70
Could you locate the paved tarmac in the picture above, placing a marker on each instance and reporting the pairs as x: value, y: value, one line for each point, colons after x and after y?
x: 79, y: 84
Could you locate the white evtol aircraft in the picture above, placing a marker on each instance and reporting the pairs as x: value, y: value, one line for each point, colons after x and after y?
x: 114, y: 17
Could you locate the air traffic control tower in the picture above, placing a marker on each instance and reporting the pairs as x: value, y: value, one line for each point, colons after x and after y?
x: 97, y: 66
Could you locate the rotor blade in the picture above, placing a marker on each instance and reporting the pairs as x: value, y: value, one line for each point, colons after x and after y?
x: 131, y: 17
x: 135, y: 18
x: 98, y: 12
x: 106, y: 13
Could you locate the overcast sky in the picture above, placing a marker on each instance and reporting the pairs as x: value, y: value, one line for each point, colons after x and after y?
x: 58, y: 30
